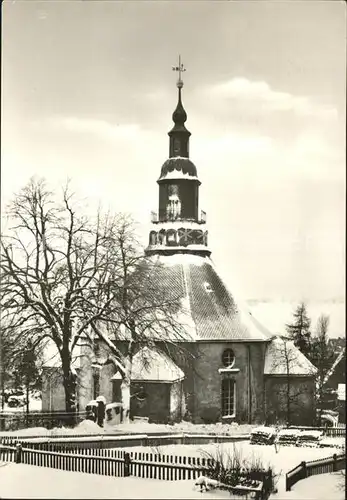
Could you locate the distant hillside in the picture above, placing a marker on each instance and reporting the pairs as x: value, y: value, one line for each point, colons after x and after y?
x: 275, y: 314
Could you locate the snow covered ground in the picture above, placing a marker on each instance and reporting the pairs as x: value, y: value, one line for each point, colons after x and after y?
x: 187, y: 427
x: 89, y: 427
x: 320, y: 487
x: 26, y: 481
x: 22, y: 481
x: 282, y: 462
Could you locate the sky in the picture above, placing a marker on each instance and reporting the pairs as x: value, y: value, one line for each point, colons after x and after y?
x: 88, y: 93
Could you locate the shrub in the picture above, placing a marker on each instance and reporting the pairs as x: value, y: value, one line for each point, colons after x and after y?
x: 228, y: 467
x: 188, y: 416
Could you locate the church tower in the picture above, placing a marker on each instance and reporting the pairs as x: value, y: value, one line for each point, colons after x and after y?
x: 179, y: 226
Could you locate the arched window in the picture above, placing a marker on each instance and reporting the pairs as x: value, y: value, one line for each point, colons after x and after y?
x: 196, y: 237
x: 173, y: 208
x: 228, y: 358
x: 182, y: 237
x: 171, y: 237
x: 228, y: 397
x: 162, y: 237
x: 153, y: 238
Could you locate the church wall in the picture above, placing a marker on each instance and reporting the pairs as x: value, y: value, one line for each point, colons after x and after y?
x: 86, y: 389
x: 184, y: 357
x: 177, y: 401
x: 249, y: 381
x: 106, y: 385
x: 85, y: 384
x: 156, y: 405
x: 201, y: 398
x: 53, y: 394
x: 301, y: 400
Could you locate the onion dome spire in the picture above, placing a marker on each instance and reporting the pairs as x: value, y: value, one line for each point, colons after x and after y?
x: 179, y: 116
x: 179, y: 135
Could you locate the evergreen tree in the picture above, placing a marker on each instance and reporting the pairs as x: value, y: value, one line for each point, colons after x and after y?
x: 26, y: 371
x: 299, y: 329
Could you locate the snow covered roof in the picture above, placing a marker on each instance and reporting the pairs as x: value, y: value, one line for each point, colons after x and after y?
x: 178, y: 167
x: 268, y: 431
x: 213, y: 310
x: 288, y: 432
x: 283, y: 358
x: 153, y: 366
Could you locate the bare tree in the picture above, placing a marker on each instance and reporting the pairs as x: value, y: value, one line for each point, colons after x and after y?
x: 289, y: 366
x: 67, y: 278
x: 144, y: 312
x: 322, y: 356
x: 14, y: 355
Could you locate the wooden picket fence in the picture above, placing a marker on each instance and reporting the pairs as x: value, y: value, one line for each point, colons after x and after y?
x: 108, y: 462
x: 118, y: 463
x: 98, y: 441
x: 335, y: 431
x: 109, y: 466
x: 320, y: 466
x: 7, y: 453
x: 338, y: 431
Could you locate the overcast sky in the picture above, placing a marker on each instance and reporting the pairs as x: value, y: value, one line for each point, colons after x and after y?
x: 88, y: 93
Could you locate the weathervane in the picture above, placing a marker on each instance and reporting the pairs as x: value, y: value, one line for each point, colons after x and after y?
x: 180, y: 68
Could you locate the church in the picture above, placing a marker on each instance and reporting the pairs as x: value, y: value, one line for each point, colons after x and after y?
x: 239, y: 371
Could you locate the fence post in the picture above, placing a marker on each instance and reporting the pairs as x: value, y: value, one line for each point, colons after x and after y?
x: 334, y: 462
x: 18, y: 453
x: 127, y: 461
x: 304, y: 470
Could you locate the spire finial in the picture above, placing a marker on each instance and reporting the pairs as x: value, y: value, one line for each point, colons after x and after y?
x: 180, y: 68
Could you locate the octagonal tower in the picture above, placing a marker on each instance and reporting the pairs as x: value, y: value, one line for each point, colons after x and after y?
x: 178, y: 226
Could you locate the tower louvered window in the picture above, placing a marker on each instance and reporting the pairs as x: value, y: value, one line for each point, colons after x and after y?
x: 228, y: 397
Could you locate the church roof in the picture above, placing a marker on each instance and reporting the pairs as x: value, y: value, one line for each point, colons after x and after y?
x: 211, y: 307
x: 153, y: 366
x: 178, y: 167
x: 282, y: 358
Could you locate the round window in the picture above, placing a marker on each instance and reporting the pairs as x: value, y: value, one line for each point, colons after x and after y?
x: 141, y: 395
x: 228, y: 357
